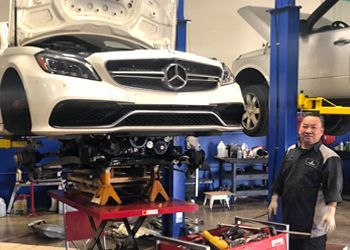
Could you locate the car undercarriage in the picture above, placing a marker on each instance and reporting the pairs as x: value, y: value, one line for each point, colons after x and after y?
x: 108, y: 166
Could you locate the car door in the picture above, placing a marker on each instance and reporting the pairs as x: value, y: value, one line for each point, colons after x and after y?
x: 324, y: 67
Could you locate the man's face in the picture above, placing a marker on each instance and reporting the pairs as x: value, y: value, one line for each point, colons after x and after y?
x: 310, y: 131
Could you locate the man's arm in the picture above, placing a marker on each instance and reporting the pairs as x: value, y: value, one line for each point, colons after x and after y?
x: 332, y: 188
x: 277, y: 189
x: 273, y: 206
x: 328, y: 219
x: 333, y: 180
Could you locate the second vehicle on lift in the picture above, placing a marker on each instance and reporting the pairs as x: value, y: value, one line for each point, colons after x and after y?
x: 324, y: 50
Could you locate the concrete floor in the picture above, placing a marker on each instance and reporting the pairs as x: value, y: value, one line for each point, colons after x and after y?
x: 14, y: 228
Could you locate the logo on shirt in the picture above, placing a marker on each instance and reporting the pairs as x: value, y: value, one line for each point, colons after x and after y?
x: 311, y: 162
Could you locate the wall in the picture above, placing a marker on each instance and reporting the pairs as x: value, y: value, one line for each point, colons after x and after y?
x: 4, y: 10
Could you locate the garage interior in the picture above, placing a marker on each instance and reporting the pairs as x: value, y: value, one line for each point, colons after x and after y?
x: 237, y: 167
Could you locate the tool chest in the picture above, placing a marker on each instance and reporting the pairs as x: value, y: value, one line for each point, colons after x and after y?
x: 232, y: 237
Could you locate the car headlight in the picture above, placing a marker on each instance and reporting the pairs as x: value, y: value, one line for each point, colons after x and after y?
x: 227, y: 75
x: 66, y: 65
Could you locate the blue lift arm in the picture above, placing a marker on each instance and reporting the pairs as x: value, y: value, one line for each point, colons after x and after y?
x: 172, y: 224
x: 283, y: 84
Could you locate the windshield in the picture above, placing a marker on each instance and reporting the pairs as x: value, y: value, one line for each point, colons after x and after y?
x: 84, y: 44
x: 335, y: 18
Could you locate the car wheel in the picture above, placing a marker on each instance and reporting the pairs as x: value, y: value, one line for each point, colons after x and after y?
x: 255, y: 117
x: 336, y: 124
x: 14, y: 104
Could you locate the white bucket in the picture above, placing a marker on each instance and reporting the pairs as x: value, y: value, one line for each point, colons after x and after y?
x: 2, y: 207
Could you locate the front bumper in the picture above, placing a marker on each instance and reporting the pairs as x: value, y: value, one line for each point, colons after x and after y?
x: 111, y: 115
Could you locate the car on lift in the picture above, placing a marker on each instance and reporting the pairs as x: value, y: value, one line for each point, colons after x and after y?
x: 324, y: 50
x: 108, y: 67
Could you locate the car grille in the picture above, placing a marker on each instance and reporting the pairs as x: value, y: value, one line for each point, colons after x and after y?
x: 168, y: 119
x: 150, y: 74
x: 82, y: 113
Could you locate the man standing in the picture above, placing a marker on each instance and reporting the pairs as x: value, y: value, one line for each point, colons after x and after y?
x: 309, y: 182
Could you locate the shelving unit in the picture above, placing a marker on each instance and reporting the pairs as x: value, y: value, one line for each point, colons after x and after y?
x: 263, y: 176
x: 196, y: 181
x: 343, y: 154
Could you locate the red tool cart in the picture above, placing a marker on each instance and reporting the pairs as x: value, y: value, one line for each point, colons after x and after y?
x: 259, y: 235
x: 98, y: 216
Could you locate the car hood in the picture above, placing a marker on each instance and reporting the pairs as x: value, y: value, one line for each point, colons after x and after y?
x: 258, y: 18
x: 151, y: 22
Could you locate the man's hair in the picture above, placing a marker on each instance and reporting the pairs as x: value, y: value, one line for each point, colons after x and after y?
x: 314, y: 114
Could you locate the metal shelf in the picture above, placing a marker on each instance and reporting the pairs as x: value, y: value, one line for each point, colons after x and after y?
x: 263, y: 176
x: 196, y: 181
x: 252, y: 177
x: 252, y: 192
x: 243, y: 160
x: 343, y: 154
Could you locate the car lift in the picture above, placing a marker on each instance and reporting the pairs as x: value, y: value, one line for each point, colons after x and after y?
x: 8, y: 143
x: 283, y: 85
x: 321, y: 105
x: 104, y: 214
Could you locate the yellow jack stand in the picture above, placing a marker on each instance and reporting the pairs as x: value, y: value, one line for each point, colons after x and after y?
x: 156, y: 186
x: 105, y: 190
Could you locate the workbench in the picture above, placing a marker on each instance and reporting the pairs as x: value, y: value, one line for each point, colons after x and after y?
x: 107, y: 213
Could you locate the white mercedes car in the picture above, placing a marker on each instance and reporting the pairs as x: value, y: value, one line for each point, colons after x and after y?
x: 72, y: 67
x: 324, y: 65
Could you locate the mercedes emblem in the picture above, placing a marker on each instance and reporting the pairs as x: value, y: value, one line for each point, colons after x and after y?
x: 175, y: 77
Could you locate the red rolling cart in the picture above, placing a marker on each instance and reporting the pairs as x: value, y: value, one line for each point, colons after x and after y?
x: 197, y: 241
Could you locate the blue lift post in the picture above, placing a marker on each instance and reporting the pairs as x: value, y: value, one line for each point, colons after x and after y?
x: 283, y: 85
x: 172, y: 224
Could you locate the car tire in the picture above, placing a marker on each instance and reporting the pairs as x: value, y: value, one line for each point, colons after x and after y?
x: 14, y: 104
x: 336, y: 124
x: 255, y: 117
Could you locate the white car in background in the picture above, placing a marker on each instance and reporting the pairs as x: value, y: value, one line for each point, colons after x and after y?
x: 77, y: 67
x: 324, y: 65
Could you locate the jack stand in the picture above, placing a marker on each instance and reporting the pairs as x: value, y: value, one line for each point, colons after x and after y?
x: 156, y: 186
x: 105, y: 190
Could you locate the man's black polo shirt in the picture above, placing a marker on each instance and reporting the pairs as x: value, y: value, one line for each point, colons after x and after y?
x: 307, y: 181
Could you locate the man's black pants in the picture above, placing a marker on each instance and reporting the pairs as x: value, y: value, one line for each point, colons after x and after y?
x: 318, y: 243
